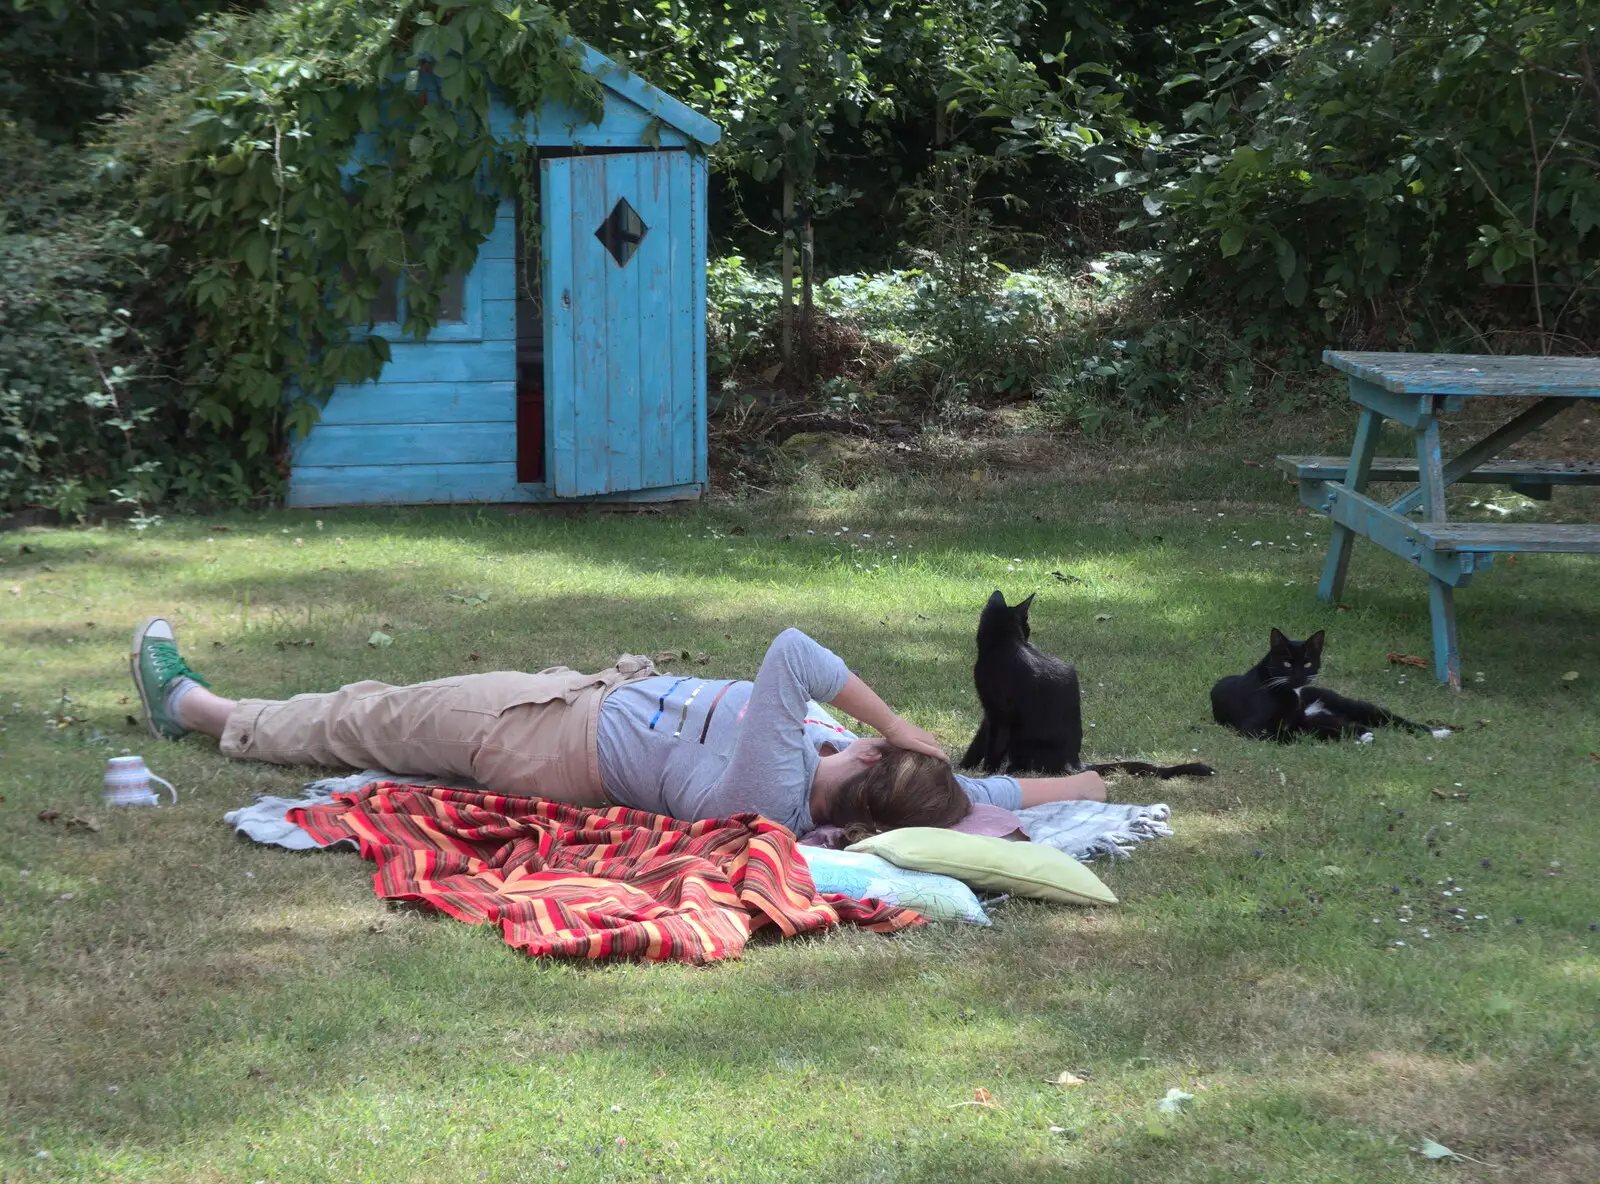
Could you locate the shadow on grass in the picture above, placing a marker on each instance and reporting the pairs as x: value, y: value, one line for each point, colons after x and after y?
x: 231, y: 992
x: 1174, y: 607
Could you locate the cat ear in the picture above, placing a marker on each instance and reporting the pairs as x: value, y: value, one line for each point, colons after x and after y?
x: 1025, y: 605
x: 997, y: 599
x: 1314, y: 642
x: 1279, y: 641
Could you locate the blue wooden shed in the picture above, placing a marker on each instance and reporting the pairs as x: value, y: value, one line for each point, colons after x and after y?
x: 586, y: 381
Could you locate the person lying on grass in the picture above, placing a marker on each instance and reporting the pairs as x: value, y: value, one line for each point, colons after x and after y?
x: 689, y: 748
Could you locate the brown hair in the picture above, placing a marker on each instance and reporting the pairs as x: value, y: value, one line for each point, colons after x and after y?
x: 902, y: 788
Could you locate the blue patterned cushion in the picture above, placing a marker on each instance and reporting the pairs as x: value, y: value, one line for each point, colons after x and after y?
x: 861, y: 876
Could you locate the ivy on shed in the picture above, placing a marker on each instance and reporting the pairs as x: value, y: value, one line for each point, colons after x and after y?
x: 297, y: 158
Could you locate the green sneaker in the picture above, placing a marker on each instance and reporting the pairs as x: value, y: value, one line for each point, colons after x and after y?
x: 156, y: 666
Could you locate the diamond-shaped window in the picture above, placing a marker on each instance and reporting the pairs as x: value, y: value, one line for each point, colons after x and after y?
x: 622, y: 232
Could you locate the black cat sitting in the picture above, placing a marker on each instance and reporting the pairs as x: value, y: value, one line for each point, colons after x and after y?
x: 1032, y: 719
x: 1274, y: 699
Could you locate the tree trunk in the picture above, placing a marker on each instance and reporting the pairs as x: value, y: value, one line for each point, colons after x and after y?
x: 787, y: 343
x: 807, y: 253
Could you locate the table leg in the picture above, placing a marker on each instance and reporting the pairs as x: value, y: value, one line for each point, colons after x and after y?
x: 1446, y: 654
x: 1431, y: 483
x: 1489, y: 447
x: 1430, y: 472
x: 1337, y: 564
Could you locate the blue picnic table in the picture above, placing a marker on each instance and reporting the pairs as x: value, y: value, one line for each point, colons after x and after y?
x: 1417, y: 390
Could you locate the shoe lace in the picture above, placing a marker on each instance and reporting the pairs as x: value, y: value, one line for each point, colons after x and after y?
x: 170, y: 666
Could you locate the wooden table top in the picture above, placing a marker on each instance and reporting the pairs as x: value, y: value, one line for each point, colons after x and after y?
x: 1471, y: 374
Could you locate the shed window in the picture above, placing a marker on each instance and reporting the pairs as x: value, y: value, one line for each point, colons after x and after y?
x: 622, y: 231
x: 453, y: 300
x: 388, y: 309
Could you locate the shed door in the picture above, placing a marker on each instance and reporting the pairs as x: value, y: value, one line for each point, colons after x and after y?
x: 618, y: 298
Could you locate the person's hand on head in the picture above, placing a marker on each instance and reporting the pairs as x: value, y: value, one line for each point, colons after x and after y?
x: 907, y: 735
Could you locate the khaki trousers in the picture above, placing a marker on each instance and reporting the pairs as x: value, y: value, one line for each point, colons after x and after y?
x: 532, y: 735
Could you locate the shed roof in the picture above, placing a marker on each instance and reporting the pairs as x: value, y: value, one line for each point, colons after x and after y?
x: 652, y: 98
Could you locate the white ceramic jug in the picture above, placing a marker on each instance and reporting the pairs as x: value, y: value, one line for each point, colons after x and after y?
x: 128, y: 783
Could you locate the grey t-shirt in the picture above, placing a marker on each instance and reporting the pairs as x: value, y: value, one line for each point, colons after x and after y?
x: 695, y: 748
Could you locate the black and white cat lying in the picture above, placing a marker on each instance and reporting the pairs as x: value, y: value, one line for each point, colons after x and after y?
x: 1274, y: 699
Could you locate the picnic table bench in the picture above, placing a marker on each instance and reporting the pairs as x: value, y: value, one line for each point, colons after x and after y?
x: 1417, y: 390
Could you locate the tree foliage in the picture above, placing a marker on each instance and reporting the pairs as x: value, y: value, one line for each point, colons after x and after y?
x: 843, y: 96
x: 1281, y: 174
x: 1423, y: 173
x: 63, y: 63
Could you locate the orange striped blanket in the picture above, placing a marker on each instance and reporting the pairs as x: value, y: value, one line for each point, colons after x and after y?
x: 579, y: 883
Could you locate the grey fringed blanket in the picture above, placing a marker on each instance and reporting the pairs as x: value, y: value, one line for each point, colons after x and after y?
x: 1087, y: 830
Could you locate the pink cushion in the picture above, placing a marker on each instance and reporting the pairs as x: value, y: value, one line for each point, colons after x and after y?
x: 993, y: 822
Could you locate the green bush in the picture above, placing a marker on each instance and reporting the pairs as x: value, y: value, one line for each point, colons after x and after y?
x: 933, y: 345
x: 741, y: 317
x: 77, y: 417
x: 1416, y: 174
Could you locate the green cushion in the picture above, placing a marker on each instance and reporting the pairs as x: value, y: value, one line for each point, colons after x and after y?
x: 995, y: 865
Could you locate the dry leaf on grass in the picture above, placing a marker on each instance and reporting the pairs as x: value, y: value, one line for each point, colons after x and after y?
x: 1065, y: 1078
x: 1408, y: 660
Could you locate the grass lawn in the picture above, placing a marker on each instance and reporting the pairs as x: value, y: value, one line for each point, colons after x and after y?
x: 179, y: 1005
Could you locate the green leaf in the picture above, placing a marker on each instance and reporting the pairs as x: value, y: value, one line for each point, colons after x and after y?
x: 379, y: 639
x: 255, y: 255
x: 1287, y: 260
x: 1246, y: 160
x: 1432, y: 1150
x: 1232, y: 240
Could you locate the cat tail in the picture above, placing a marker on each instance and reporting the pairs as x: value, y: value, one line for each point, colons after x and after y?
x: 1144, y: 769
x: 978, y: 750
x: 1437, y: 731
x: 1392, y: 720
